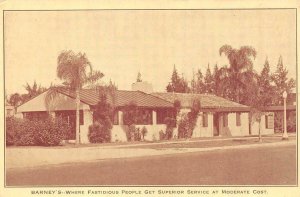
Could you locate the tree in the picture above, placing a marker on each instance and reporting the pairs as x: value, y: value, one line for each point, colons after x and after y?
x: 15, y: 99
x: 216, y: 81
x: 200, y: 86
x: 282, y: 83
x: 76, y: 71
x: 130, y: 116
x: 33, y: 90
x: 177, y: 84
x: 139, y: 77
x: 238, y: 78
x: 100, y: 131
x: 208, y: 81
x: 266, y: 90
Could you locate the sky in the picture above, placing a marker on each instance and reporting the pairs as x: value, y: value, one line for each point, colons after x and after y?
x: 121, y: 43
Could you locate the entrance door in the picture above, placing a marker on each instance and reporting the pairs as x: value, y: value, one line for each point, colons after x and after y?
x: 216, y: 124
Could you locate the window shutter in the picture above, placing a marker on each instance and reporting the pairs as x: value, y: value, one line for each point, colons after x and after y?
x: 238, y: 119
x: 225, y: 120
x: 205, y: 119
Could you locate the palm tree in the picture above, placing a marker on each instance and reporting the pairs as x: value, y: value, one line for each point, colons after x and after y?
x: 76, y: 71
x: 239, y: 74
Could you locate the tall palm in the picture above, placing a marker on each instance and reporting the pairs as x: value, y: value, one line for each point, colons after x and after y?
x: 76, y: 71
x: 237, y: 76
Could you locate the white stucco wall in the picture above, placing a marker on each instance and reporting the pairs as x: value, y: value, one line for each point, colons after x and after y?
x: 61, y: 102
x: 232, y: 129
x: 201, y: 131
x: 84, y: 129
x: 263, y: 129
x: 118, y: 133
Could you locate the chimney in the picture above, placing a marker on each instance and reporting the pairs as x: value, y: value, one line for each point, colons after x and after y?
x: 143, y: 86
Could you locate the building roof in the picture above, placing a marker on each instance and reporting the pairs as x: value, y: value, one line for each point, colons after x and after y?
x: 279, y: 108
x: 120, y: 98
x: 207, y: 101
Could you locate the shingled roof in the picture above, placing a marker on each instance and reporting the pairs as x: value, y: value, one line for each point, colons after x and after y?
x: 121, y: 98
x: 208, y: 102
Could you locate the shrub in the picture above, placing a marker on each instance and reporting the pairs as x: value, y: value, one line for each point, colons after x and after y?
x: 170, y: 125
x: 162, y: 135
x: 144, y: 131
x: 23, y: 132
x: 11, y: 128
x: 183, y: 127
x: 188, y: 121
x: 137, y: 135
x: 100, y: 131
x: 51, y: 131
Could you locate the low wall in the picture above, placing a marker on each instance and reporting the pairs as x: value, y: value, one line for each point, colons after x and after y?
x: 118, y: 133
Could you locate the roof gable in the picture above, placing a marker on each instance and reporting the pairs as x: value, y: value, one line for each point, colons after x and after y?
x: 61, y: 102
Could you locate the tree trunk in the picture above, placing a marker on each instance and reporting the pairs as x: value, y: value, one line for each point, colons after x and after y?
x: 259, y: 132
x: 77, y: 117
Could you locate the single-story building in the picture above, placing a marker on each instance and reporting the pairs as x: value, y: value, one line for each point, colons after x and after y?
x: 217, y: 116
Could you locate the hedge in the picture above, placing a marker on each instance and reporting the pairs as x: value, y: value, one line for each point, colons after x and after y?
x: 48, y: 132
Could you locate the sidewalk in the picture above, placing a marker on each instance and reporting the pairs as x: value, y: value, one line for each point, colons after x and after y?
x: 39, y: 156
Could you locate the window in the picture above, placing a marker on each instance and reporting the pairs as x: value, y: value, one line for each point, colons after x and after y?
x: 162, y: 114
x: 238, y: 119
x: 144, y: 117
x: 269, y: 121
x: 36, y: 115
x: 205, y: 119
x: 70, y: 116
x: 225, y: 120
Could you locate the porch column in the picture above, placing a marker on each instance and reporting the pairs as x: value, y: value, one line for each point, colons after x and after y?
x: 84, y: 129
x: 120, y: 117
x: 154, y: 117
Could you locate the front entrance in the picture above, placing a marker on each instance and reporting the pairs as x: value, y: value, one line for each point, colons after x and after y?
x: 216, y: 124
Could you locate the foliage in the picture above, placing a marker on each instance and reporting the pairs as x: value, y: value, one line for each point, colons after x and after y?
x: 266, y: 90
x: 76, y: 71
x: 23, y: 132
x: 291, y: 121
x: 282, y: 83
x: 238, y: 79
x: 209, y: 81
x: 144, y: 132
x: 197, y: 84
x: 100, y: 131
x: 162, y: 135
x: 130, y: 113
x: 183, y: 126
x: 32, y: 91
x: 187, y: 123
x: 51, y: 131
x: 170, y: 125
x: 177, y: 84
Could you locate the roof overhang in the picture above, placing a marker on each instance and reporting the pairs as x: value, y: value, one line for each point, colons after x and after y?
x: 279, y: 108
